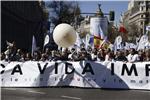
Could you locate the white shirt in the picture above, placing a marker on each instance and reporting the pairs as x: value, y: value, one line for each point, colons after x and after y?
x: 70, y: 56
x: 94, y: 56
x: 133, y: 58
x: 107, y: 58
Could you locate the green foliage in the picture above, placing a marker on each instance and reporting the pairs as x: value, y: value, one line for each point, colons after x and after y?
x: 63, y: 12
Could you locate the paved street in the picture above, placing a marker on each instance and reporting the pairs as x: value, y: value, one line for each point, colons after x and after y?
x: 72, y: 94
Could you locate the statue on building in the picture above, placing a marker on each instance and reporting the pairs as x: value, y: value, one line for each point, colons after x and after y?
x: 99, y: 12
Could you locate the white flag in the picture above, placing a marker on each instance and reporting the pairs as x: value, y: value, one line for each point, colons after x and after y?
x: 99, y: 27
x: 34, y: 48
x: 87, y: 40
x: 148, y: 28
x: 142, y: 42
x: 9, y: 44
x: 46, y: 41
x: 101, y: 33
x: 118, y: 43
x: 78, y: 41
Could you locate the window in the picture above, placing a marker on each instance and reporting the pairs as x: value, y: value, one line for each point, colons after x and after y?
x: 139, y: 2
x: 141, y: 23
x: 141, y: 8
x: 141, y: 30
x: 142, y: 2
x: 141, y: 16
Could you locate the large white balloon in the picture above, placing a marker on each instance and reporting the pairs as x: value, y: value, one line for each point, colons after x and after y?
x: 64, y: 35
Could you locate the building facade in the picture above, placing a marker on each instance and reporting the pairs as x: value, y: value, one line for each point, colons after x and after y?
x: 138, y: 13
x: 20, y: 21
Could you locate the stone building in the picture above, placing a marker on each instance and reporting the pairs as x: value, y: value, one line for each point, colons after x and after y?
x: 138, y: 14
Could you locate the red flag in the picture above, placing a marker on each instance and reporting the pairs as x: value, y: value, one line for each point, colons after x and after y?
x: 122, y: 29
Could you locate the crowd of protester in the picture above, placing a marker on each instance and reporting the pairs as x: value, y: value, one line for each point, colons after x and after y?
x: 131, y: 55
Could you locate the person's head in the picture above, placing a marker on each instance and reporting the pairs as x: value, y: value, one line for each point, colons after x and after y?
x: 132, y: 51
x: 9, y: 48
x: 89, y: 49
x: 126, y: 52
x: 47, y: 51
x: 53, y: 53
x: 73, y: 50
x: 23, y: 56
x: 119, y: 53
x: 2, y: 56
x: 64, y: 50
x: 64, y: 53
x: 19, y: 51
x: 107, y: 51
x: 140, y: 53
x: 95, y: 50
x: 28, y: 56
x: 14, y: 44
x: 111, y: 55
x: 43, y: 57
x: 37, y: 55
x: 101, y: 52
x: 82, y: 45
x: 83, y: 50
x: 147, y: 53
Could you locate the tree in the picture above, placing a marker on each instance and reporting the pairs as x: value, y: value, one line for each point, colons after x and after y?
x: 133, y: 32
x: 63, y: 12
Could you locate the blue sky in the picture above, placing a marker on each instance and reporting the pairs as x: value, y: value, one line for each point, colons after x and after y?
x: 118, y: 6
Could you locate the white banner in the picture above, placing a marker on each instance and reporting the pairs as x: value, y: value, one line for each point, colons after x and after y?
x: 148, y: 28
x: 80, y: 74
x: 99, y: 27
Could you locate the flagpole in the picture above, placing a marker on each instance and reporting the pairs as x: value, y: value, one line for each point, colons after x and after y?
x: 33, y: 45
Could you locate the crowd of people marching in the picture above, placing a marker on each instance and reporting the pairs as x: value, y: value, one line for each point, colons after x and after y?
x: 131, y: 55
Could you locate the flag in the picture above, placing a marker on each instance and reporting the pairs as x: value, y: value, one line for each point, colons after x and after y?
x: 148, y: 28
x: 99, y: 32
x: 9, y: 44
x: 46, y: 40
x: 34, y: 48
x: 78, y: 40
x: 98, y: 28
x: 87, y: 40
x: 118, y: 43
x: 77, y: 44
x: 122, y: 29
x: 91, y: 40
x: 142, y: 42
x: 97, y: 42
x: 121, y: 18
x: 98, y: 38
x: 105, y: 43
x: 147, y: 45
x: 102, y: 35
